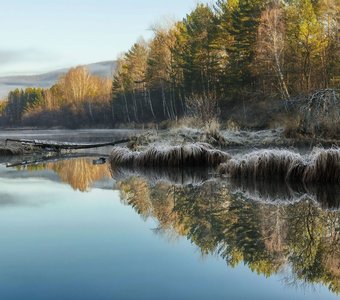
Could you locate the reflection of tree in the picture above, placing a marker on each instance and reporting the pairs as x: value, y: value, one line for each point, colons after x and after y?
x: 79, y: 173
x: 314, y: 243
x: 135, y: 193
x: 265, y: 237
x: 151, y: 202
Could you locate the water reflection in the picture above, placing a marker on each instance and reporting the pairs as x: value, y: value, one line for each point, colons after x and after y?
x: 289, y: 229
x: 267, y: 237
x: 276, y: 191
x: 326, y: 195
x: 79, y: 173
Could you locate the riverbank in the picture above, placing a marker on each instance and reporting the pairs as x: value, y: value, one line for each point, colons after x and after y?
x: 141, y: 139
x: 227, y: 139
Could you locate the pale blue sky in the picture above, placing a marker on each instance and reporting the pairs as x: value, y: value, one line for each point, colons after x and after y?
x: 42, y: 35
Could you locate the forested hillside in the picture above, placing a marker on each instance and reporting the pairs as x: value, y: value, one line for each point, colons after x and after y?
x: 245, y: 60
x: 46, y: 80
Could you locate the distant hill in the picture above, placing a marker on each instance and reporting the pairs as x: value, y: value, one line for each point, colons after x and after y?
x: 46, y: 80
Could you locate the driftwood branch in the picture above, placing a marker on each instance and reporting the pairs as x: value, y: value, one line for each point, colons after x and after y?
x: 58, y: 146
x: 56, y: 158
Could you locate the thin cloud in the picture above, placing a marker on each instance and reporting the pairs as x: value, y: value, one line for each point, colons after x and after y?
x: 9, y: 57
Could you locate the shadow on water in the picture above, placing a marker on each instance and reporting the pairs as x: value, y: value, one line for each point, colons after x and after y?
x: 271, y: 227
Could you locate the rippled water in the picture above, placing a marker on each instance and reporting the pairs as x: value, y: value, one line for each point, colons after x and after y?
x: 69, y: 230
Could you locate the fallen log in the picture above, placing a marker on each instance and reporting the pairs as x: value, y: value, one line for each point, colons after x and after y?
x: 58, y: 146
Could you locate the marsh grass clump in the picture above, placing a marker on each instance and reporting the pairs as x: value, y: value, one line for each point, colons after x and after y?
x: 321, y: 166
x: 121, y: 156
x: 189, y: 155
x: 263, y: 164
x: 142, y: 140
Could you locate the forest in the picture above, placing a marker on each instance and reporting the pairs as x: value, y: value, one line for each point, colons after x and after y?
x: 251, y: 62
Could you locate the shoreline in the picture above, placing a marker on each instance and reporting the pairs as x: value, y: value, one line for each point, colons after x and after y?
x: 225, y: 139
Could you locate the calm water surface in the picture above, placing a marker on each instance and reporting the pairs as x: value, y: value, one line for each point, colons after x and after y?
x: 68, y: 230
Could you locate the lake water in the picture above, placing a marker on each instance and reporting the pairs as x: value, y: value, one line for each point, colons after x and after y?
x: 69, y: 230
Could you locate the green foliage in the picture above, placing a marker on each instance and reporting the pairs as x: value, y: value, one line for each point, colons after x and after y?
x: 199, y: 59
x: 244, y: 23
x: 307, y: 43
x: 21, y: 101
x: 241, y: 51
x: 238, y: 50
x: 131, y: 68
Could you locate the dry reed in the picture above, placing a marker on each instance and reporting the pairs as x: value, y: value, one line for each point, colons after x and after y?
x: 190, y: 155
x: 321, y: 166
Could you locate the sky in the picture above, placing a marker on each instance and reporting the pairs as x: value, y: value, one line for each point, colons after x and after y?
x: 37, y: 36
